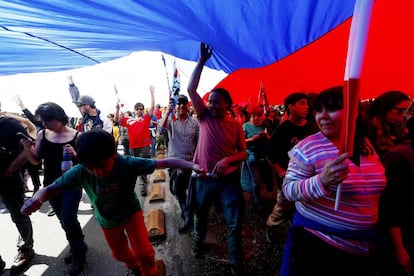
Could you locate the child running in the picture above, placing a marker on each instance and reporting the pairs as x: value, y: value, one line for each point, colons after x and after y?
x: 109, y: 180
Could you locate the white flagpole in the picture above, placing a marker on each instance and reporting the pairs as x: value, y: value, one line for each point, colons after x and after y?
x: 356, y: 50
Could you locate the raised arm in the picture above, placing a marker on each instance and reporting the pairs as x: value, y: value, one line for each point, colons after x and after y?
x: 164, y: 119
x: 151, y: 108
x: 26, y: 111
x: 205, y: 53
x: 73, y: 90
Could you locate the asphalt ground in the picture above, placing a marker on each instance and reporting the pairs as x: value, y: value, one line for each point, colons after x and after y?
x: 175, y: 250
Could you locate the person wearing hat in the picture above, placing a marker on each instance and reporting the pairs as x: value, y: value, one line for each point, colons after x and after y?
x: 183, y: 131
x: 92, y: 117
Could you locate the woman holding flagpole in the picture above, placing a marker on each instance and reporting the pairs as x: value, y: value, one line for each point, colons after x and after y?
x: 322, y: 240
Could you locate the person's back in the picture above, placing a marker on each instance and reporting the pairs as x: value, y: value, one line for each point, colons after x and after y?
x: 9, y: 151
x: 12, y: 158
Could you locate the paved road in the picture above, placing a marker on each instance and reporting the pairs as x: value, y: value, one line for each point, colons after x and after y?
x: 51, y: 246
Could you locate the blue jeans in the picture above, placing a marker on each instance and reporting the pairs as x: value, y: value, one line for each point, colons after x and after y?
x: 228, y: 190
x: 253, y: 177
x: 179, y: 181
x: 66, y: 207
x: 153, y: 144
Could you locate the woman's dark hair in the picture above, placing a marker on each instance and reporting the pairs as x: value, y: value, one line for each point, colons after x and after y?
x: 225, y: 94
x: 94, y: 146
x: 332, y: 99
x: 385, y: 135
x: 385, y: 102
x: 51, y: 111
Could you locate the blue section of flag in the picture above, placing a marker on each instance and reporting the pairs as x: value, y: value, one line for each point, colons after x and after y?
x: 40, y: 36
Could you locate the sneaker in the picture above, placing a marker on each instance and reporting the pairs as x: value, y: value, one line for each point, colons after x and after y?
x: 133, y: 272
x: 2, y: 265
x: 21, y: 261
x: 51, y: 212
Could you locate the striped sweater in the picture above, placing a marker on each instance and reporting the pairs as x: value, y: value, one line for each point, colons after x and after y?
x: 358, y: 206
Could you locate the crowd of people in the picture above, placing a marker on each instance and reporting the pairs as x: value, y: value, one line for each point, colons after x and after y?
x: 217, y: 152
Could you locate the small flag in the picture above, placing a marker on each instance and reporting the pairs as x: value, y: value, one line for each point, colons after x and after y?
x: 176, y: 82
x: 121, y: 103
x: 166, y: 74
x: 262, y: 99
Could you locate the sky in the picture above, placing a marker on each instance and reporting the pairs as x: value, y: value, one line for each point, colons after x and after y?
x: 132, y: 75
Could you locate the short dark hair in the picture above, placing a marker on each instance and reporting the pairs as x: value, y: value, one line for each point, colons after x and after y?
x: 332, y: 99
x: 225, y: 94
x: 94, y: 146
x: 137, y: 105
x: 51, y: 111
x: 294, y: 98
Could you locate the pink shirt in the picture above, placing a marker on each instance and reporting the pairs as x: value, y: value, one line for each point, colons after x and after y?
x: 218, y: 139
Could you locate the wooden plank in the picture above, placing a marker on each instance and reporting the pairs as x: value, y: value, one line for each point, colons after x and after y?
x: 155, y: 223
x: 159, y: 176
x: 157, y: 193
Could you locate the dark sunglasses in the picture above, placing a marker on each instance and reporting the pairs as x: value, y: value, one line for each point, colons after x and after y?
x: 400, y: 110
